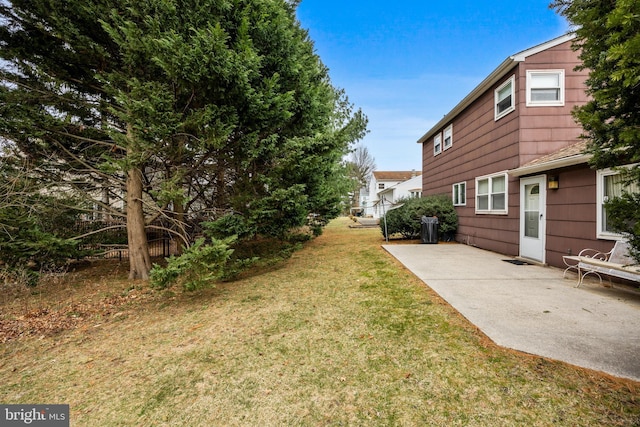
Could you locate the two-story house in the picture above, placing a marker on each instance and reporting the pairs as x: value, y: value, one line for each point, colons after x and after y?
x: 510, y: 156
x: 393, y: 196
x: 385, y: 188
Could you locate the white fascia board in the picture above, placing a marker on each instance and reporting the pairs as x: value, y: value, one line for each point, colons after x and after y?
x: 521, y: 56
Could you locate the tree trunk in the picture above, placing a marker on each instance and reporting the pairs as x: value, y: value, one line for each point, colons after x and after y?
x: 139, y: 259
x: 178, y: 210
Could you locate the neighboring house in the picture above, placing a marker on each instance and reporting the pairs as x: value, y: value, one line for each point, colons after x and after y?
x: 386, y: 187
x: 510, y: 155
x: 391, y: 196
x: 360, y: 201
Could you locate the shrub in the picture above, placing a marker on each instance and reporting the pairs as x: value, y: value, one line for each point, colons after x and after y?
x: 197, y: 267
x: 281, y: 211
x: 406, y: 220
x: 31, y: 247
x: 232, y: 224
x: 316, y: 223
x: 36, y: 235
x: 250, y: 248
x: 18, y: 275
x: 623, y: 215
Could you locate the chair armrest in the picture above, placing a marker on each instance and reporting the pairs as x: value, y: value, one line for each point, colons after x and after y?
x: 595, y: 254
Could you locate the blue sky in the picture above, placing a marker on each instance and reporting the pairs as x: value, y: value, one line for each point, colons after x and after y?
x: 407, y: 63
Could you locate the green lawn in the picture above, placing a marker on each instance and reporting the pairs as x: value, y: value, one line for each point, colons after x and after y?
x: 340, y: 334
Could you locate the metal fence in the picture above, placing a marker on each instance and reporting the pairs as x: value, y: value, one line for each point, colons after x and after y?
x: 112, y: 242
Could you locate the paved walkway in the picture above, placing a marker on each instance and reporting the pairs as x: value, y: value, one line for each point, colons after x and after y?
x: 369, y: 222
x: 531, y: 308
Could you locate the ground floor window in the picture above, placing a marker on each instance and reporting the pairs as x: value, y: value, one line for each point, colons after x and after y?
x: 460, y: 194
x: 609, y: 184
x: 491, y: 194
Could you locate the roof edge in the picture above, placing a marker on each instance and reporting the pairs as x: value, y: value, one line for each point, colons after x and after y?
x: 577, y: 159
x: 492, y: 79
x: 489, y: 81
x: 521, y: 56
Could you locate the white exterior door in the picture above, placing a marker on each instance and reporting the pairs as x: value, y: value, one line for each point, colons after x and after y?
x: 533, y: 217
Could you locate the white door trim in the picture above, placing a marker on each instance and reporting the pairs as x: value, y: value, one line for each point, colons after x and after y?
x: 534, y: 247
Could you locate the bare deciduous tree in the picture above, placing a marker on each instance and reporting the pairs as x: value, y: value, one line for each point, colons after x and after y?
x: 360, y: 166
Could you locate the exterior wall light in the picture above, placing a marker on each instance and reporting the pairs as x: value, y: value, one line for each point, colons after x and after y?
x: 553, y: 183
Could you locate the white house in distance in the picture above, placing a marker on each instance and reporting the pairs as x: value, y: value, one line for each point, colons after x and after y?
x: 386, y: 188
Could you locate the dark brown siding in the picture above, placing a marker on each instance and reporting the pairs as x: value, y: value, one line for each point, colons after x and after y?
x: 483, y: 146
x: 544, y: 130
x: 571, y: 215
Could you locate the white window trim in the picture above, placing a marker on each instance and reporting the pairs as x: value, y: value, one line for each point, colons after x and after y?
x: 600, y: 233
x: 504, y: 211
x: 531, y: 103
x: 449, y: 130
x: 456, y: 190
x: 437, y: 144
x: 512, y: 81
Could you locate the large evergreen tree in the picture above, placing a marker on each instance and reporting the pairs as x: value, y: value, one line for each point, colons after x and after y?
x: 608, y: 36
x: 181, y: 108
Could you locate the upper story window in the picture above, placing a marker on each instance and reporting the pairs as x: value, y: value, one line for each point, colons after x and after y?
x: 381, y: 186
x: 505, y: 98
x: 609, y: 184
x: 459, y: 194
x: 416, y: 194
x: 545, y: 88
x: 491, y: 194
x: 437, y: 144
x: 448, y: 137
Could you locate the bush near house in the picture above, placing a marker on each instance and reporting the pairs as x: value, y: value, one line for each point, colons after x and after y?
x: 406, y: 220
x: 624, y: 217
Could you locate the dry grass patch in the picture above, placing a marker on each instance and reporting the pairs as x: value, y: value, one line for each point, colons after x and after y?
x: 340, y: 334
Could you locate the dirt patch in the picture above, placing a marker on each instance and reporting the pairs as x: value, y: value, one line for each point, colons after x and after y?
x: 88, y: 292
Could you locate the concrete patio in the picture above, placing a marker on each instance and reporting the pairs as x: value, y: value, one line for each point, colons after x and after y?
x: 532, y: 308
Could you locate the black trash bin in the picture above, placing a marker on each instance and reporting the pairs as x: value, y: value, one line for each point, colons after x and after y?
x: 429, y: 232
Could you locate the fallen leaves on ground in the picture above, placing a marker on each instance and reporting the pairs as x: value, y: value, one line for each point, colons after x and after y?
x: 46, y: 321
